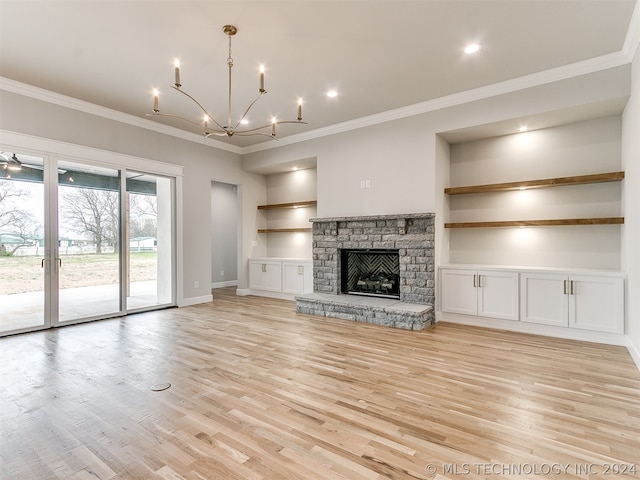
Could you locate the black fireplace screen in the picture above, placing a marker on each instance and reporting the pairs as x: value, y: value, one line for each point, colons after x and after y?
x: 370, y: 272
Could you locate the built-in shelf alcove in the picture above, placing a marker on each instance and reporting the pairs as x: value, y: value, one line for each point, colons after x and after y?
x: 550, y: 197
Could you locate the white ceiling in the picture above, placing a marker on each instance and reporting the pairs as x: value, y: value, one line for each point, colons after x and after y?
x: 379, y: 55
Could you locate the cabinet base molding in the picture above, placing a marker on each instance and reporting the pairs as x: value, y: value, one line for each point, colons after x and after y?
x: 634, y: 351
x: 267, y: 293
x: 534, y: 329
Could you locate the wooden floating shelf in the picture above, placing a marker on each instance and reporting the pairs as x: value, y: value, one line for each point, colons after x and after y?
x: 548, y: 182
x: 309, y: 203
x: 539, y: 223
x: 283, y: 230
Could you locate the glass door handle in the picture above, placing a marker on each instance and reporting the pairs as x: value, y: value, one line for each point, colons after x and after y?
x: 42, y: 263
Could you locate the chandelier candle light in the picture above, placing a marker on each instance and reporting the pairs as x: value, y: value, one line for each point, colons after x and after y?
x: 229, y: 129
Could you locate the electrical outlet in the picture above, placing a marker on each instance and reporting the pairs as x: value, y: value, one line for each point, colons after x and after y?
x: 362, y: 184
x: 196, y: 284
x: 222, y: 273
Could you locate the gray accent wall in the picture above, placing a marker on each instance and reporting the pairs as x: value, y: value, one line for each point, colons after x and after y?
x: 225, y: 221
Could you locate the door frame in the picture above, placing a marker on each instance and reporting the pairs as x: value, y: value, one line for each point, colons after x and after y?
x: 51, y: 151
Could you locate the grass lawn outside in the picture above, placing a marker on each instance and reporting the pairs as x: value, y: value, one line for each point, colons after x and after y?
x: 22, y: 274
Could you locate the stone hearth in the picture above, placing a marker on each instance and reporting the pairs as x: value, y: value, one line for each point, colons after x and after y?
x: 411, y: 234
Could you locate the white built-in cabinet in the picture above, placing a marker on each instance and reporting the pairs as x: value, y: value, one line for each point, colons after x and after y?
x: 485, y: 293
x: 585, y: 301
x: 280, y: 275
x: 588, y: 302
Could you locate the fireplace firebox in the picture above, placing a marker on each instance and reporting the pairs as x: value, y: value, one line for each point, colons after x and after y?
x: 370, y: 272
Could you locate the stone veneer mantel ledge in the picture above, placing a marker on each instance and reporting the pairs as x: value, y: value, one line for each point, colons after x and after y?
x: 373, y: 217
x: 412, y: 234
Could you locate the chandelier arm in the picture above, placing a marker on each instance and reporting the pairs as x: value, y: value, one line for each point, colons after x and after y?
x: 267, y: 125
x: 247, y: 110
x: 291, y: 121
x: 201, y: 107
x: 245, y: 134
x: 159, y: 114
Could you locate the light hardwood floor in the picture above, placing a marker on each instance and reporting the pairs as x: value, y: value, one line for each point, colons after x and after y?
x: 260, y: 392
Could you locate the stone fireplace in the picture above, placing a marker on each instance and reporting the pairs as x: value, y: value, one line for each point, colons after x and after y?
x: 374, y: 239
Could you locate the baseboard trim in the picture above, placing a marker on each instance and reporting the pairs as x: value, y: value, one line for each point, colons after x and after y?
x: 186, y: 302
x: 230, y: 283
x: 634, y: 351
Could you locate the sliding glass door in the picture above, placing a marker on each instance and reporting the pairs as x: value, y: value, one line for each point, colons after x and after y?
x: 150, y: 240
x: 22, y: 242
x: 88, y: 242
x: 81, y: 242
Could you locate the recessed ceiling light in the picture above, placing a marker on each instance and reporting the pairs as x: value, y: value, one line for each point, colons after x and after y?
x: 332, y: 93
x: 471, y: 48
x: 524, y: 128
x: 244, y: 121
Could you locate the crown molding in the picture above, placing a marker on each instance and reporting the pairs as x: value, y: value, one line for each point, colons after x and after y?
x: 632, y: 40
x: 577, y: 69
x: 108, y: 113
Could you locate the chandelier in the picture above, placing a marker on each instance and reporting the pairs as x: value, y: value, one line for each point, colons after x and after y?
x: 229, y: 128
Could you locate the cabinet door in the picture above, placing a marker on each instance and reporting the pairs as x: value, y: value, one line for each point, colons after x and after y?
x: 544, y: 298
x: 458, y: 291
x: 291, y: 278
x: 273, y: 276
x: 297, y: 277
x: 307, y: 278
x: 498, y: 294
x: 256, y: 276
x: 265, y: 276
x: 596, y: 303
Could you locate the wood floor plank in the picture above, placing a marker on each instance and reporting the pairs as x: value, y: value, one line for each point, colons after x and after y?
x: 260, y: 392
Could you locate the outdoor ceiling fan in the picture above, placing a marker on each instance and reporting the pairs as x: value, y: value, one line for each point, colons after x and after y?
x: 14, y: 164
x: 10, y: 163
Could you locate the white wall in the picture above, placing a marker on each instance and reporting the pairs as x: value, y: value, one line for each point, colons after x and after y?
x: 580, y: 148
x: 392, y: 157
x: 224, y: 234
x: 442, y: 180
x: 631, y: 231
x: 399, y: 157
